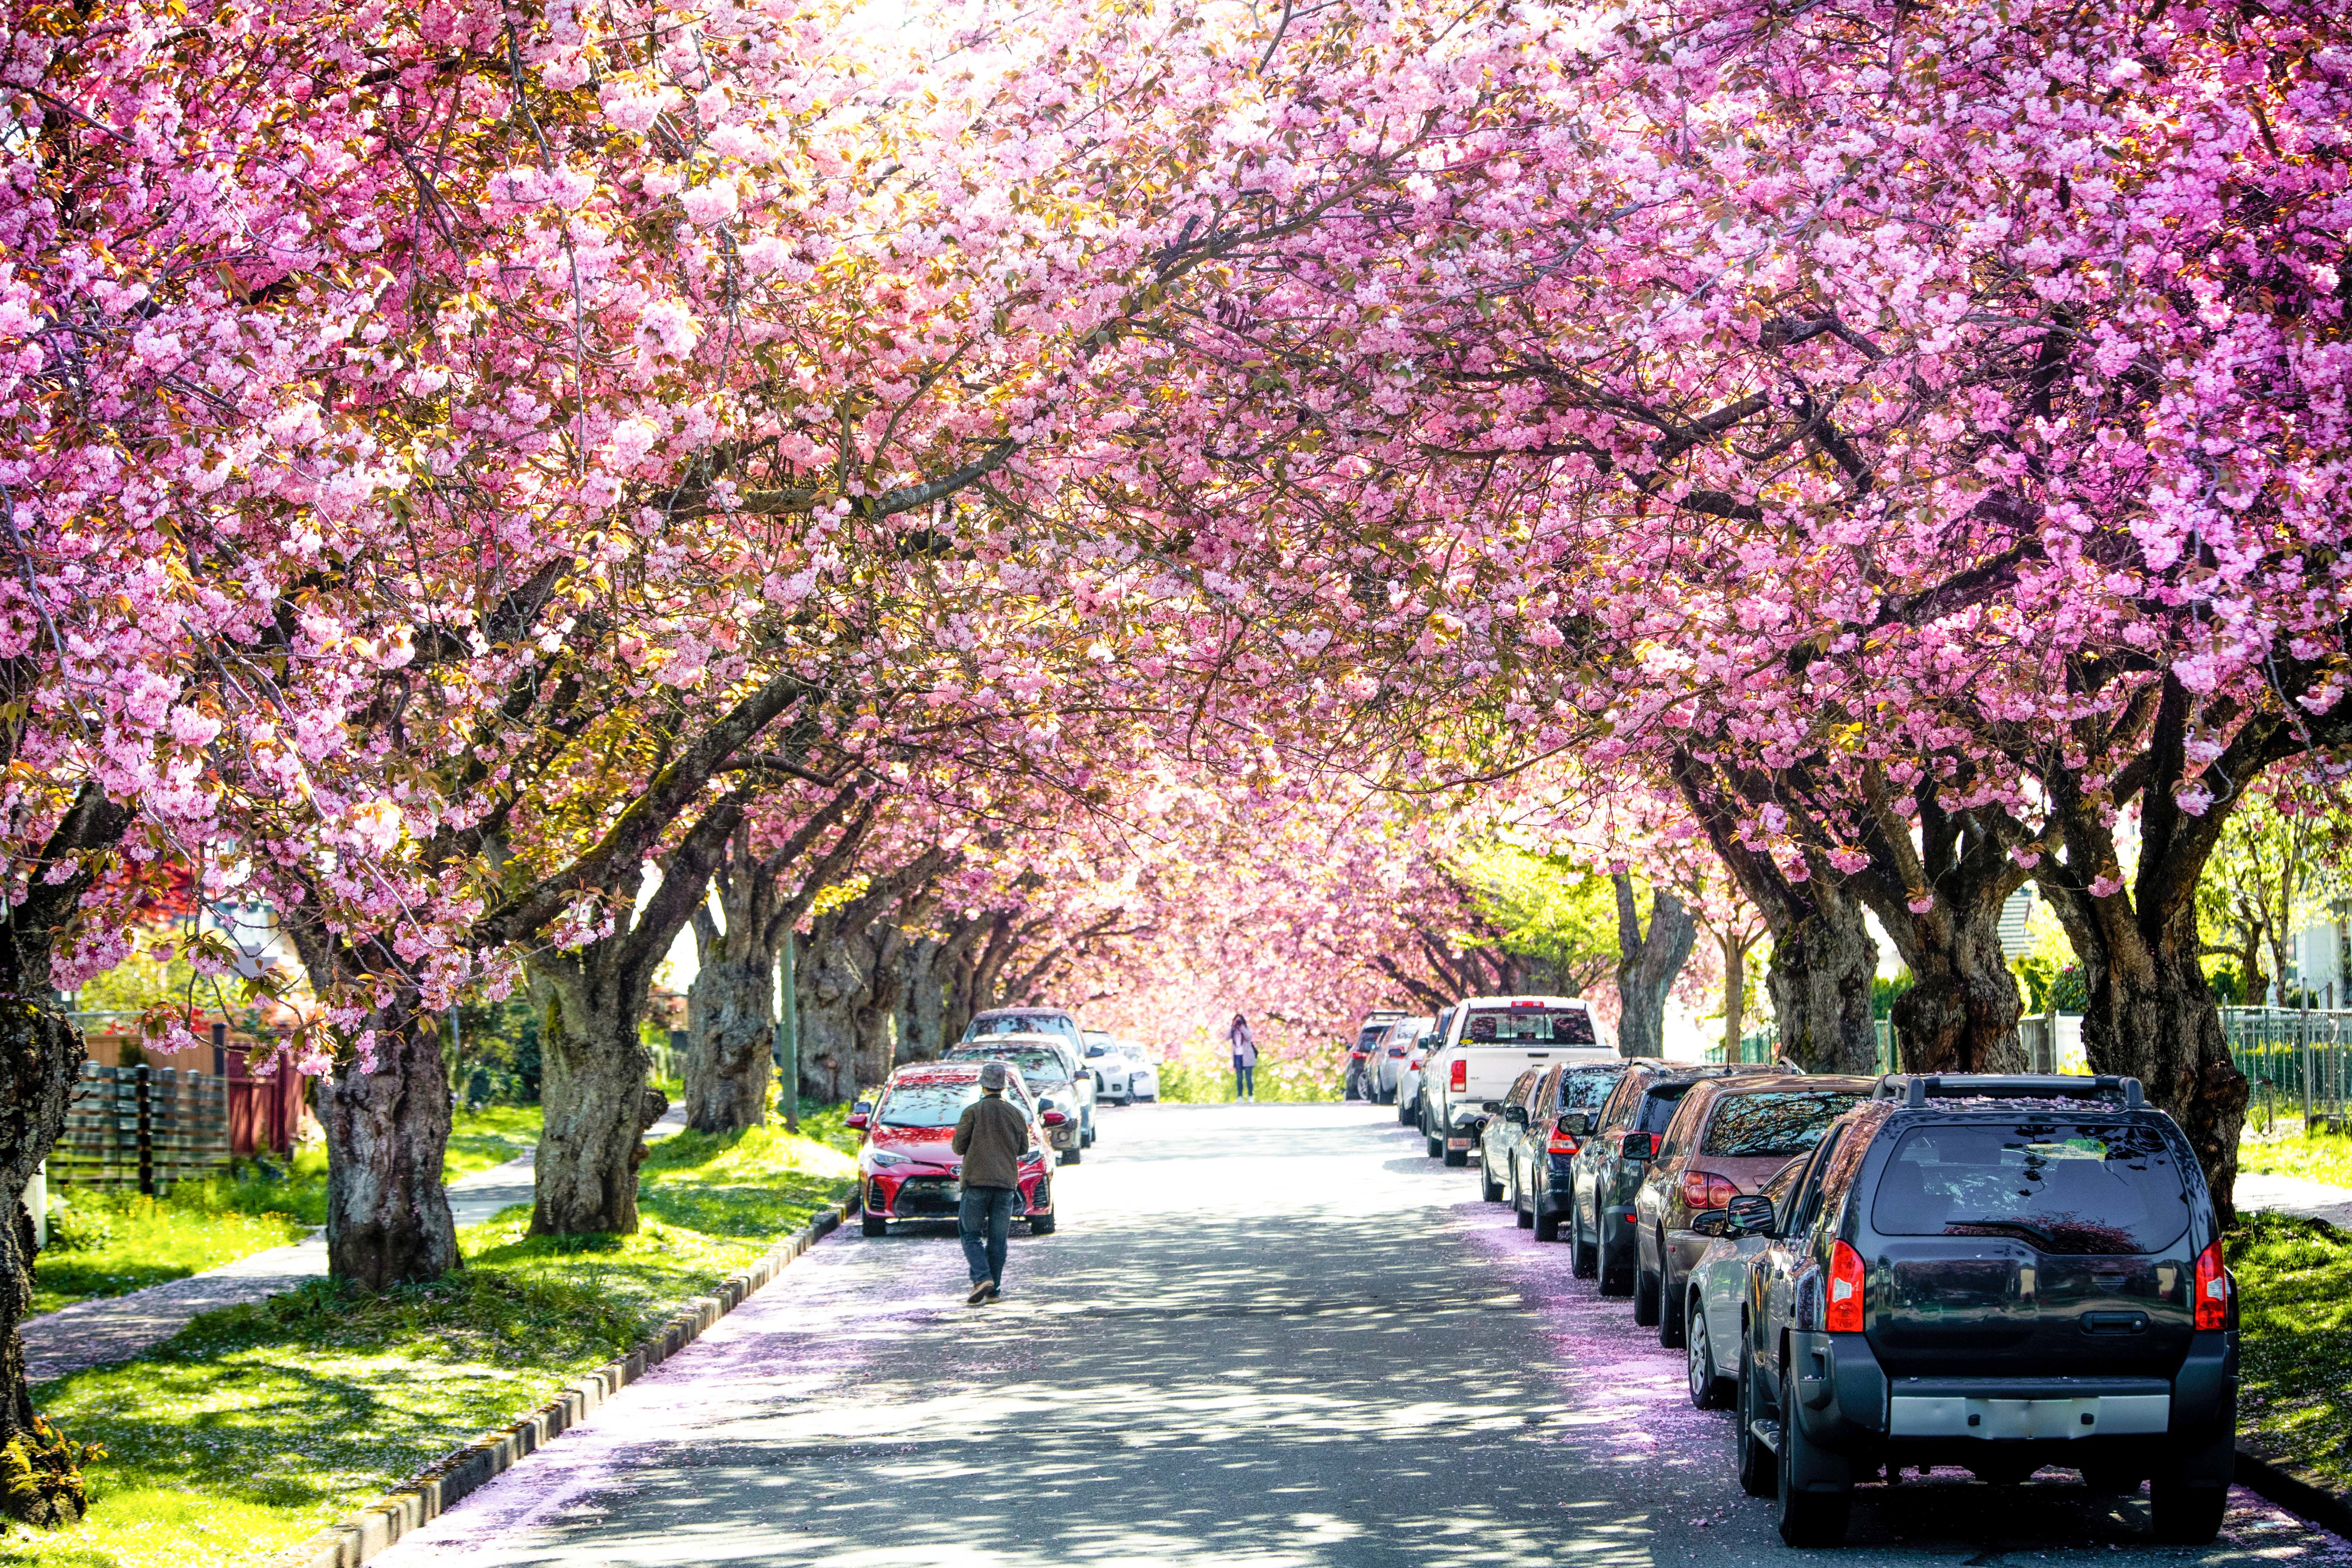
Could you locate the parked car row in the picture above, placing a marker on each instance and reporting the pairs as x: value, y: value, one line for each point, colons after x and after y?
x: 1060, y: 1074
x: 1875, y: 1274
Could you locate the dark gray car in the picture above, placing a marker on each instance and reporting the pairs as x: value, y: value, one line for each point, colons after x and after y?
x: 1999, y: 1273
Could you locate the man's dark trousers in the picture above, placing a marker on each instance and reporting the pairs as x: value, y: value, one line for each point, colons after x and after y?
x: 985, y: 1218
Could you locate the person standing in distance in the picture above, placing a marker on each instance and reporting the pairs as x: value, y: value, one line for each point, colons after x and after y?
x: 1244, y: 1046
x: 991, y: 1135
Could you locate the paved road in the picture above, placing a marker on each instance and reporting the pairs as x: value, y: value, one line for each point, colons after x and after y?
x: 1264, y: 1335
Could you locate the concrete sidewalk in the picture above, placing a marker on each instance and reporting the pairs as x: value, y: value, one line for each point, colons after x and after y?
x: 2292, y: 1194
x: 116, y: 1328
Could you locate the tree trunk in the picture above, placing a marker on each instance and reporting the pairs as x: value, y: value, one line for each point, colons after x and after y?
x: 387, y: 1125
x: 1961, y: 1014
x: 593, y: 1092
x: 1735, y: 992
x: 44, y: 1057
x: 923, y: 1000
x: 1648, y: 965
x: 1823, y: 960
x: 730, y: 1039
x: 831, y: 988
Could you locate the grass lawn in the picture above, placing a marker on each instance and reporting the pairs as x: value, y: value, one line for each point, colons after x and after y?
x: 147, y: 1243
x: 258, y: 1426
x: 2294, y: 1303
x: 2289, y: 1152
x: 490, y: 1136
x: 254, y: 1205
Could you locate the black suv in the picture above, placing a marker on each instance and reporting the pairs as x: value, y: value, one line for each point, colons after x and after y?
x: 2002, y: 1273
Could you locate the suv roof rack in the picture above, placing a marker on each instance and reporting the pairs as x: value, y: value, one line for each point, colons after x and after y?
x: 1917, y: 1088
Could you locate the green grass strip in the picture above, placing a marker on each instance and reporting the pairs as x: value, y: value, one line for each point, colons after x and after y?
x: 257, y: 1427
x: 2294, y: 1303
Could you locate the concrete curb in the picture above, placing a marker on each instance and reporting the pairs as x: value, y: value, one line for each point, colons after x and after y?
x: 433, y: 1490
x: 2267, y: 1481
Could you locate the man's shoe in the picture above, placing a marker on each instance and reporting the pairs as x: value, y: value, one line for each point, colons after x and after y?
x: 979, y: 1292
x: 995, y: 1291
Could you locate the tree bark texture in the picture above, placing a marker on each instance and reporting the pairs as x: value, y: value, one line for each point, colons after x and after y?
x: 386, y: 1118
x: 595, y: 1100
x: 1648, y: 965
x: 1824, y: 960
x: 730, y: 1006
x: 387, y: 1125
x: 850, y: 980
x: 1735, y: 947
x: 44, y: 1056
x: 1961, y: 1014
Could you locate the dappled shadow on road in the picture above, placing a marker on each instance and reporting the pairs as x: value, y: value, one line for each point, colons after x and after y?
x: 1266, y: 1338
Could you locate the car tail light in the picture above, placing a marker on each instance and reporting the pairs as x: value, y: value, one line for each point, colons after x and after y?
x: 1563, y: 1142
x: 1701, y: 1191
x: 1844, y: 1314
x: 2212, y: 1288
x: 1460, y: 1078
x: 1413, y: 1064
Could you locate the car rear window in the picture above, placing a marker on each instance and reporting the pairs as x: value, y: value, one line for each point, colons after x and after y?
x: 1529, y: 1025
x: 1034, y: 1061
x: 2068, y: 1187
x: 1658, y: 1106
x: 1773, y: 1126
x: 1585, y: 1090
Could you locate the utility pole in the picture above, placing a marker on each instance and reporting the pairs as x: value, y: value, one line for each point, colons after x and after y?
x: 788, y: 1033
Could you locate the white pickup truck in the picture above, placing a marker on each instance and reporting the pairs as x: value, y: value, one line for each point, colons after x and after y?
x: 1489, y: 1041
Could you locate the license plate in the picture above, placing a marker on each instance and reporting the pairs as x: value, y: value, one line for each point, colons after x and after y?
x: 1459, y: 1142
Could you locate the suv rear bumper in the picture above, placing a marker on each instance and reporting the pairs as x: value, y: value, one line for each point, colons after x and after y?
x: 1847, y: 1402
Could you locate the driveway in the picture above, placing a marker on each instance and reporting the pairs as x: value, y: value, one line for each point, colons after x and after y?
x: 1267, y: 1335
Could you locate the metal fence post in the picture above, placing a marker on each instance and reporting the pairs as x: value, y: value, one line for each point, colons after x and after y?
x: 146, y: 1130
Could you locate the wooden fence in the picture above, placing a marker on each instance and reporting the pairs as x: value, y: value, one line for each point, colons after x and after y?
x: 140, y: 1129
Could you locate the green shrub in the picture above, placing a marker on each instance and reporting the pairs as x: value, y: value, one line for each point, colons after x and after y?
x: 40, y: 1476
x: 77, y: 1226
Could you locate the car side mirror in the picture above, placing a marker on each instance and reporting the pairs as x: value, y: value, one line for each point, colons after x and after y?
x: 1490, y: 1106
x: 1710, y: 1223
x: 1750, y: 1213
x: 1639, y: 1146
x: 1576, y: 1123
x: 1517, y: 1115
x: 1055, y: 1119
x: 856, y: 1121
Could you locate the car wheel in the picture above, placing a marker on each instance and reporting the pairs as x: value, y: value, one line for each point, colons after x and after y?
x: 870, y: 1226
x: 1645, y: 1297
x: 1404, y: 1113
x: 1040, y: 1224
x: 1518, y: 1205
x: 1072, y: 1156
x: 1488, y: 1187
x: 1616, y: 1268
x: 1670, y: 1290
x: 1815, y: 1491
x: 1585, y: 1259
x: 1705, y: 1383
x: 2188, y: 1498
x: 1758, y: 1471
x: 1546, y: 1225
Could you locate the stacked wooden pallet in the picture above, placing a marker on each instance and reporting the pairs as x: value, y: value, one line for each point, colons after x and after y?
x: 140, y: 1129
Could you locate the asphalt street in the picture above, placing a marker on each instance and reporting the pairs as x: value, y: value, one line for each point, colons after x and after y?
x: 1271, y: 1335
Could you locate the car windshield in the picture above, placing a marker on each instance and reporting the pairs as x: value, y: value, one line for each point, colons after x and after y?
x: 1035, y: 1062
x: 1531, y: 1025
x: 2069, y: 1187
x: 927, y: 1104
x: 1658, y: 1106
x: 1773, y: 1126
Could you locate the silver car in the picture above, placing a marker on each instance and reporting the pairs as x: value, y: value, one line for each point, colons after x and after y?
x: 1384, y: 1069
x: 1717, y: 1288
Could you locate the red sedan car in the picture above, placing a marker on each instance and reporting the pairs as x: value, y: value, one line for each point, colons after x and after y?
x: 907, y: 1166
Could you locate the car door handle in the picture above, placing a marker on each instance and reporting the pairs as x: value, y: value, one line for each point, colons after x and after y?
x: 2115, y: 1322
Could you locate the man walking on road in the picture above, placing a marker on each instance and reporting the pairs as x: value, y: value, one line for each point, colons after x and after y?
x: 991, y: 1135
x: 1244, y: 1046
